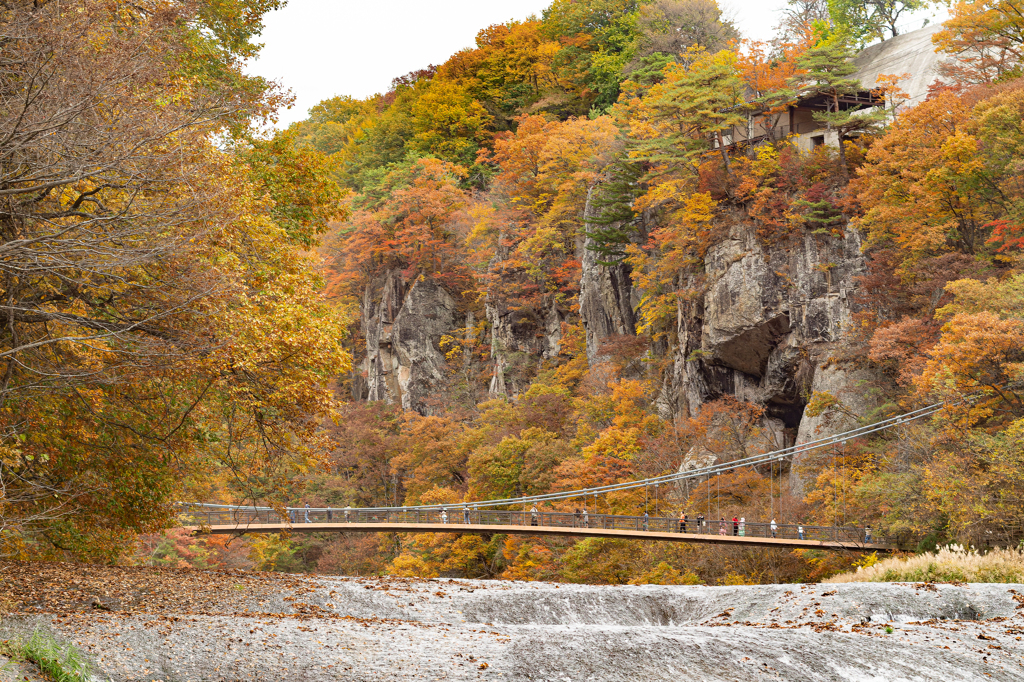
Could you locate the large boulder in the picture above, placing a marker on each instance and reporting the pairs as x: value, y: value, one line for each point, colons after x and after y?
x: 850, y: 388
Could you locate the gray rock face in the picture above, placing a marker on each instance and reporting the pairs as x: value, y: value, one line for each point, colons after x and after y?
x: 520, y: 341
x: 849, y: 387
x: 403, y: 326
x: 521, y: 337
x: 607, y: 299
x: 743, y: 322
x: 761, y: 305
x: 768, y: 319
x: 320, y: 629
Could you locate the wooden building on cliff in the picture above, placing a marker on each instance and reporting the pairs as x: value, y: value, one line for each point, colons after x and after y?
x: 911, y: 53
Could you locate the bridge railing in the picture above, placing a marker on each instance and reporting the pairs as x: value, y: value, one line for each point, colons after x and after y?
x: 488, y: 517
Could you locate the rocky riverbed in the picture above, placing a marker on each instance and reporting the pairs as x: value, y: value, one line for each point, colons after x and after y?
x: 178, y: 625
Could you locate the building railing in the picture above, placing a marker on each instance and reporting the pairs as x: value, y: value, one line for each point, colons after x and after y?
x: 456, y: 515
x: 777, y: 133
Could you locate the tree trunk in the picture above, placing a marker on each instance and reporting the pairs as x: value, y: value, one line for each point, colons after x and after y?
x: 725, y: 156
x: 842, y: 158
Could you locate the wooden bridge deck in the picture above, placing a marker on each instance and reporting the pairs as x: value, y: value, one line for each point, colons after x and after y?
x: 488, y: 529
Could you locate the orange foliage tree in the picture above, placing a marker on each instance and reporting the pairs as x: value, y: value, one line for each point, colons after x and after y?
x: 418, y: 229
x: 535, y: 222
x: 942, y: 176
x: 987, y: 40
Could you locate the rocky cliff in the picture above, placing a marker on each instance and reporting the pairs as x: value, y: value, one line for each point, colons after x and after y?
x: 402, y: 324
x: 608, y: 299
x: 764, y: 329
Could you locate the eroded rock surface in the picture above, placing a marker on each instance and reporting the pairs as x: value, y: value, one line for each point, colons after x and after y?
x: 768, y: 318
x: 521, y: 339
x: 851, y: 387
x: 278, y: 627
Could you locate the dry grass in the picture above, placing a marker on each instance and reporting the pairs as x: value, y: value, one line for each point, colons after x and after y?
x: 950, y: 564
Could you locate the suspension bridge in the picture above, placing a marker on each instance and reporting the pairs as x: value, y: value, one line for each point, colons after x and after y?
x: 465, y: 519
x: 521, y: 516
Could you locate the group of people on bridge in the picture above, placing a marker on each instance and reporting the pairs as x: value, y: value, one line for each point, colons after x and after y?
x: 578, y: 518
x: 739, y: 525
x: 293, y: 514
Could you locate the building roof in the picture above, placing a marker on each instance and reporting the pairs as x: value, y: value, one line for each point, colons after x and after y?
x: 911, y: 53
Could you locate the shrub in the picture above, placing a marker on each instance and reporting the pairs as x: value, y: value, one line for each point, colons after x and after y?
x: 949, y: 564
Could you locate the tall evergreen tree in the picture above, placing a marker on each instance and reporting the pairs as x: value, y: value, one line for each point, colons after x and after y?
x: 614, y: 223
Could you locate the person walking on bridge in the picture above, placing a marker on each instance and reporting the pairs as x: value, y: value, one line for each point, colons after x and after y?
x: 682, y: 523
x: 444, y: 515
x: 330, y: 516
x: 721, y: 526
x: 306, y: 513
x: 700, y: 523
x: 647, y: 520
x: 533, y: 515
x: 586, y: 518
x: 735, y: 526
x: 465, y: 515
x: 867, y: 535
x: 348, y: 511
x: 800, y: 531
x: 743, y: 526
x: 775, y: 529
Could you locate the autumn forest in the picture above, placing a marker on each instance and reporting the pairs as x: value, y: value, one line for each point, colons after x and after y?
x: 607, y: 243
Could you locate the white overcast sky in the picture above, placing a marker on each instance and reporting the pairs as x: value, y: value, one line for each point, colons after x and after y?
x: 322, y: 48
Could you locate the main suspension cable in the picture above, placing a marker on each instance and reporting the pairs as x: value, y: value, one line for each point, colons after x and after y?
x: 705, y: 471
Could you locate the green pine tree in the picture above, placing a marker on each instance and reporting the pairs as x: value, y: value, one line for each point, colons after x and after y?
x: 702, y: 103
x: 614, y: 224
x: 829, y: 68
